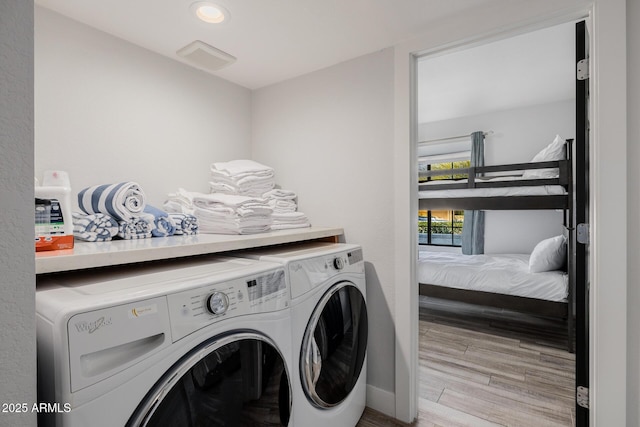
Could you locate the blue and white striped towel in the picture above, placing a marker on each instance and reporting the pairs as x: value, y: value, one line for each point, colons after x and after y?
x: 164, y: 225
x: 122, y: 201
x: 136, y: 228
x: 94, y: 227
x: 185, y: 224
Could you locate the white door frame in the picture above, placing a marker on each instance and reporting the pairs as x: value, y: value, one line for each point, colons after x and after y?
x: 608, y: 177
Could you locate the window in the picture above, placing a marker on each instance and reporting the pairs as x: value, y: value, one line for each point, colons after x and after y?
x: 442, y: 228
x: 460, y: 164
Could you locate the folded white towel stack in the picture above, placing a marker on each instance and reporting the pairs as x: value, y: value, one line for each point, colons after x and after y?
x: 242, y: 177
x: 231, y: 214
x: 179, y: 202
x: 243, y: 200
x: 284, y: 204
x: 285, y: 220
x: 281, y: 200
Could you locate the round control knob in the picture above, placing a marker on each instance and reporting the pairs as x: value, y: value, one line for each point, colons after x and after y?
x: 217, y: 303
x: 338, y: 263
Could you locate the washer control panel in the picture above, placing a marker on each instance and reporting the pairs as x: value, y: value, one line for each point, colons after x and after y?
x: 217, y: 303
x: 198, y: 307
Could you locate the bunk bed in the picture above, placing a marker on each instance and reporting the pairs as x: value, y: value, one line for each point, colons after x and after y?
x: 522, y: 190
x: 522, y: 186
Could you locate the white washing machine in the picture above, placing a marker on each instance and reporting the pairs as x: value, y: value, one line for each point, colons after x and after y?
x: 204, y: 342
x: 329, y: 327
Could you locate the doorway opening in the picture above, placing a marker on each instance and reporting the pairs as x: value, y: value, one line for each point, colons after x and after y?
x: 493, y: 365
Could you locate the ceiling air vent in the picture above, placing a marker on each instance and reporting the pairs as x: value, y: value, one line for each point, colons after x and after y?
x: 205, y: 57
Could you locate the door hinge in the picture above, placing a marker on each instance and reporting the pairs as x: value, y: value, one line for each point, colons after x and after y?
x: 582, y: 397
x: 582, y: 233
x: 582, y: 69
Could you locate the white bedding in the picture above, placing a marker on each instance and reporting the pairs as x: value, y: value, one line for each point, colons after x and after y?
x: 536, y: 190
x: 504, y: 274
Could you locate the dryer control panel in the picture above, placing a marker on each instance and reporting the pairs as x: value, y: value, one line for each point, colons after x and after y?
x: 306, y: 274
x: 196, y: 308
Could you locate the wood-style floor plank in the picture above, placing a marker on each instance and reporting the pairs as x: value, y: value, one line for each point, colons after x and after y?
x: 488, y: 367
x: 434, y: 412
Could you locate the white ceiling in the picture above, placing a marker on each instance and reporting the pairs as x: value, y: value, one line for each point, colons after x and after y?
x: 530, y: 69
x: 274, y: 40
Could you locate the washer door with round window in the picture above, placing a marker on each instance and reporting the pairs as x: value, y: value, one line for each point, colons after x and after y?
x: 334, y: 346
x: 237, y: 380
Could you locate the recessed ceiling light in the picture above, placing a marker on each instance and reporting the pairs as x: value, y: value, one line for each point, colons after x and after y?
x: 210, y: 12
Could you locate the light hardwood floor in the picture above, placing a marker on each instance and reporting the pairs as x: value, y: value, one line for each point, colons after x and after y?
x: 486, y: 367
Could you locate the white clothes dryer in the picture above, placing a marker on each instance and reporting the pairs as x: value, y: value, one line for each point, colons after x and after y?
x: 330, y: 330
x: 197, y: 342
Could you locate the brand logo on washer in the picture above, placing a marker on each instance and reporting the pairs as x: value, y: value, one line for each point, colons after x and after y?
x: 143, y: 311
x: 91, y: 327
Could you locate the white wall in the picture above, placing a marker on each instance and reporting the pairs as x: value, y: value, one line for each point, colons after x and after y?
x: 109, y: 111
x: 17, y: 303
x: 519, y: 231
x: 327, y: 134
x: 633, y: 247
x: 517, y: 136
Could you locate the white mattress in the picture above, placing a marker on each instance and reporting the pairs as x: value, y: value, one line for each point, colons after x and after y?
x: 534, y: 190
x: 503, y: 274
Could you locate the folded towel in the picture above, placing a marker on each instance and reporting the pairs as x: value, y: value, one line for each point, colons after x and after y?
x: 282, y: 205
x: 286, y: 226
x: 179, y: 202
x: 164, y: 225
x: 231, y: 214
x: 281, y: 201
x: 287, y: 220
x: 244, y: 177
x: 216, y: 222
x: 241, y: 168
x: 280, y: 194
x: 137, y: 227
x: 249, y: 187
x: 122, y: 201
x: 241, y: 204
x: 185, y: 223
x: 94, y: 227
x: 245, y: 182
x: 289, y: 216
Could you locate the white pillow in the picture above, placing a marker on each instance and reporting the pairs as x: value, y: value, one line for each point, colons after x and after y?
x: 553, y: 151
x: 548, y: 255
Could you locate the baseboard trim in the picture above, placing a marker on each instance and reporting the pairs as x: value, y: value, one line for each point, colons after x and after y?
x: 381, y: 400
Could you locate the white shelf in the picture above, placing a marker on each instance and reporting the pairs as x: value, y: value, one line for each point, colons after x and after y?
x: 100, y: 254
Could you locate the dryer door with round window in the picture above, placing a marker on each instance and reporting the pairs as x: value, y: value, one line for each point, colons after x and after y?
x: 334, y: 346
x: 238, y: 380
